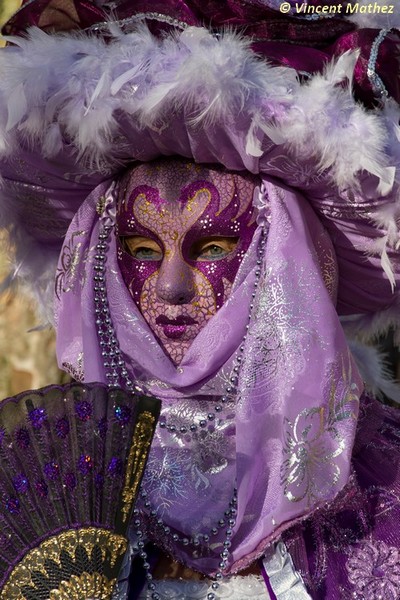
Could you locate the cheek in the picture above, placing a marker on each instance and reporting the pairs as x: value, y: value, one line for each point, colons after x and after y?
x: 135, y: 273
x: 220, y: 275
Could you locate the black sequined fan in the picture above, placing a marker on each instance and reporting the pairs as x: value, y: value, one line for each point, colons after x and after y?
x: 71, y: 461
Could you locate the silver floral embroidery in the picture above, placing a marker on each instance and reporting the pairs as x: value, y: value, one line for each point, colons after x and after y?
x: 67, y: 274
x: 165, y: 477
x: 76, y: 371
x: 329, y: 268
x: 316, y: 438
x: 185, y: 465
x: 278, y: 337
x: 373, y: 569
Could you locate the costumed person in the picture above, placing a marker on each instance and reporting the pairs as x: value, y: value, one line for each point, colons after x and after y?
x: 228, y: 176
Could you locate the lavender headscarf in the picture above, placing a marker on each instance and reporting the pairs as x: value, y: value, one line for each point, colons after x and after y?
x: 273, y: 360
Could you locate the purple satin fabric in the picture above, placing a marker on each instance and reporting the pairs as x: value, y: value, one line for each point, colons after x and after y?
x: 350, y: 548
x: 283, y: 415
x: 283, y: 39
x: 59, y: 15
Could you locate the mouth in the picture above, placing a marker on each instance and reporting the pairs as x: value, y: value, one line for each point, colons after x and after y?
x: 175, y: 328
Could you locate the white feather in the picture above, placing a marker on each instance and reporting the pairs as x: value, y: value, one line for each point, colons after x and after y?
x: 253, y: 144
x: 386, y: 265
x: 76, y: 86
x: 373, y: 368
x: 16, y: 106
x: 97, y: 90
x: 122, y: 80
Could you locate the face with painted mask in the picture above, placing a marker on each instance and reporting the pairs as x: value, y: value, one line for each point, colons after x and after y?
x: 183, y: 230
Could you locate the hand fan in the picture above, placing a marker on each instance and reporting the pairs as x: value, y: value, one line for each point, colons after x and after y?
x: 71, y: 461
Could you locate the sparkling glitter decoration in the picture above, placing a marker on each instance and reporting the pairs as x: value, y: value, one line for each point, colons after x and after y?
x: 37, y: 417
x: 122, y: 414
x: 115, y: 466
x: 85, y: 464
x: 21, y: 483
x: 83, y: 410
x: 22, y: 437
x: 51, y: 470
x: 99, y: 480
x: 42, y: 488
x: 376, y: 82
x: 70, y: 481
x: 102, y: 427
x: 12, y: 505
x: 62, y: 427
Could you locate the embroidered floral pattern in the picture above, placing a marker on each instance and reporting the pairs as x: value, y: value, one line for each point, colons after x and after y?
x: 67, y: 272
x: 374, y: 571
x: 315, y: 439
x: 76, y: 371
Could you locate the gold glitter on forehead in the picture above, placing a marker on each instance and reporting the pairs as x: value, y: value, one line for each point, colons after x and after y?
x: 171, y: 215
x: 170, y: 175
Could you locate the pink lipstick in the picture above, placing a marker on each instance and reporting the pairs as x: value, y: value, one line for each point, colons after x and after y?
x: 175, y: 328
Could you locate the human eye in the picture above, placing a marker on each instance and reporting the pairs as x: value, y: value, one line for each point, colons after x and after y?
x: 142, y: 248
x: 214, y: 248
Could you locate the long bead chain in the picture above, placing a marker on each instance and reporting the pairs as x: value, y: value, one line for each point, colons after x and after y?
x: 117, y: 374
x: 228, y: 522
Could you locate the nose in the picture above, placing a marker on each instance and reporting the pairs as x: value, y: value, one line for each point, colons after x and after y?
x: 175, y: 282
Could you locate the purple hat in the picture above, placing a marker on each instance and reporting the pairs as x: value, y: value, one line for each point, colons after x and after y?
x: 78, y: 107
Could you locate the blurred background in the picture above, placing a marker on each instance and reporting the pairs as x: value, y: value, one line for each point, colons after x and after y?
x: 7, y: 7
x: 27, y: 358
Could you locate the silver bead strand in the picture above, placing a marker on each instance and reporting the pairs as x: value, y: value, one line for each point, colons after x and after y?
x: 229, y: 521
x: 114, y: 366
x: 117, y: 374
x: 230, y: 390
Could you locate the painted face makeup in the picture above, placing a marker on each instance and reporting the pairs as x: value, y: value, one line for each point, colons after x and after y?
x: 183, y: 230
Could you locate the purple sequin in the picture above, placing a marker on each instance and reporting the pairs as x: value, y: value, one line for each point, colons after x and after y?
x: 22, y: 437
x: 115, y: 466
x: 70, y: 481
x: 42, y: 488
x: 37, y: 417
x: 102, y: 427
x: 51, y: 470
x: 62, y: 427
x: 2, y: 434
x: 83, y: 410
x: 99, y: 480
x: 12, y: 505
x: 122, y: 414
x: 85, y: 464
x: 21, y: 483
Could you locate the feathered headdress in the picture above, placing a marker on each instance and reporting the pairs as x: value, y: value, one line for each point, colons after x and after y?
x: 307, y: 97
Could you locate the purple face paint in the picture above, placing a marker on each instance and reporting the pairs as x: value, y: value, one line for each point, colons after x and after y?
x: 184, y: 230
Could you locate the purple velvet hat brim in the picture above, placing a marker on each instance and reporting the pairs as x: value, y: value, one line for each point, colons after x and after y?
x: 76, y: 109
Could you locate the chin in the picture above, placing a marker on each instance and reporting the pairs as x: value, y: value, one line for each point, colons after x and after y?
x: 176, y: 350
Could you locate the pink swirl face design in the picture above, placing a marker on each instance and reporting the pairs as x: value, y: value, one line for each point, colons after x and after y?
x: 182, y: 232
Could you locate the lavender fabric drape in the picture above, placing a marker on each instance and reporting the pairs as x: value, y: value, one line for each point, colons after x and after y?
x: 287, y: 438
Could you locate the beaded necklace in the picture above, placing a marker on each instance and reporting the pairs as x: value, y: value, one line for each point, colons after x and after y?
x: 117, y: 375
